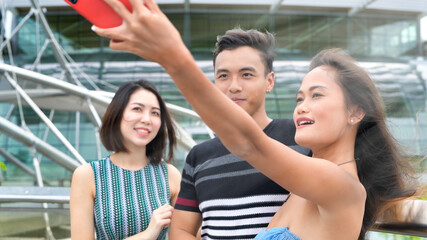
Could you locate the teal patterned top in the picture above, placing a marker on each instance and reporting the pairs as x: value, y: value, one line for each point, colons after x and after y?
x: 125, y: 200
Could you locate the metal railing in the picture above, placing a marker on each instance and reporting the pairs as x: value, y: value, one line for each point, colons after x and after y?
x: 410, y: 216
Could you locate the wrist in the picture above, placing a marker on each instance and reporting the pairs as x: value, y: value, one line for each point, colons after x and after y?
x: 177, y: 59
x: 151, y: 233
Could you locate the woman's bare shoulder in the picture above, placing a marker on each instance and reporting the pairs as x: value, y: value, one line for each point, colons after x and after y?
x: 174, y: 173
x: 174, y: 182
x: 83, y: 174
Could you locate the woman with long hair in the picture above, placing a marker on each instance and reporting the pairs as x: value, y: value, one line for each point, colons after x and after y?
x: 355, y: 169
x: 128, y: 195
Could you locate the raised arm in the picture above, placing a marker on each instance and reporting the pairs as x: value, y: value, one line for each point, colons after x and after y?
x: 148, y: 33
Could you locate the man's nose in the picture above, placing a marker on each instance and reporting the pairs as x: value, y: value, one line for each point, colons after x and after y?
x: 235, y: 85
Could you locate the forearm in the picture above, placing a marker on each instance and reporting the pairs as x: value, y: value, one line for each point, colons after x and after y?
x: 185, y: 225
x: 144, y: 235
x: 177, y: 234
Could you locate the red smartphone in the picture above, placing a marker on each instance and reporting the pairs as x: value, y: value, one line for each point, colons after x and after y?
x: 98, y: 12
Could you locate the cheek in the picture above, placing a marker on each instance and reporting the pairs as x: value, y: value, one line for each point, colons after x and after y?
x: 156, y: 124
x: 221, y: 85
x: 254, y: 93
x: 295, y: 115
x: 332, y: 118
x: 129, y: 117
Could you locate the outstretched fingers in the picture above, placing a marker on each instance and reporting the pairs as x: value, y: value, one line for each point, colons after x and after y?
x: 115, y: 34
x: 152, y: 5
x: 138, y: 6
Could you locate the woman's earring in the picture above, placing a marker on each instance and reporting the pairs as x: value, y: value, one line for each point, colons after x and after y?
x: 352, y: 120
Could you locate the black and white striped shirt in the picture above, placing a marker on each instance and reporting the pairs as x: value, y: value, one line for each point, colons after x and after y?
x: 236, y: 200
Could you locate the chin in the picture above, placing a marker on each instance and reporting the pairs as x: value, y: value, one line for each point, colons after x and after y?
x: 303, y: 141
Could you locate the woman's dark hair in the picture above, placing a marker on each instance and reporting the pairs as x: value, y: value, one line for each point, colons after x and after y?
x: 110, y: 133
x: 234, y: 38
x: 384, y: 173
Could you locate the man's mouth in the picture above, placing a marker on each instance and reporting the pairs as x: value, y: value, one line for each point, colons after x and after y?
x: 237, y: 100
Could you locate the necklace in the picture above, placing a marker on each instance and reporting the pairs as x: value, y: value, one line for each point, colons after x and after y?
x: 339, y: 164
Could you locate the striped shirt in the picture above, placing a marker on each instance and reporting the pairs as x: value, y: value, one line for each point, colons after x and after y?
x: 236, y: 200
x: 125, y: 200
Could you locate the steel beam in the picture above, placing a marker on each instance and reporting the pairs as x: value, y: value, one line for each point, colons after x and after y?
x: 357, y: 9
x: 28, y: 139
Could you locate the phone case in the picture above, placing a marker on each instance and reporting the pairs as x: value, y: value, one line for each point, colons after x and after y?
x: 98, y: 12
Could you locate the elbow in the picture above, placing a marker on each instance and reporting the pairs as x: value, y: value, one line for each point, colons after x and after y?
x: 248, y: 146
x: 243, y: 150
x: 245, y: 143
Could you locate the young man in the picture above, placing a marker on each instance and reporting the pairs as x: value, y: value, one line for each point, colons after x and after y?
x: 223, y: 194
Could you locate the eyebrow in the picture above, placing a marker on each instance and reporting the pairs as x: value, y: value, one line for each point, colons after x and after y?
x: 247, y: 69
x: 222, y: 70
x: 313, y: 87
x: 142, y: 105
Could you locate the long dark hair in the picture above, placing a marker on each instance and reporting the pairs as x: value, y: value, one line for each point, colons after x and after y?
x: 110, y: 133
x: 381, y: 169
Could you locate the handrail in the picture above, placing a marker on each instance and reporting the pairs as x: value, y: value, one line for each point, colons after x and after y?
x: 35, y: 194
x: 411, y: 217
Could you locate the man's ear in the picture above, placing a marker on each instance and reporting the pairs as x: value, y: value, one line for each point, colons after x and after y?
x: 270, y: 82
x: 356, y: 115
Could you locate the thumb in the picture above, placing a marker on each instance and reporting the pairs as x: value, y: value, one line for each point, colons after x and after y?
x: 111, y: 33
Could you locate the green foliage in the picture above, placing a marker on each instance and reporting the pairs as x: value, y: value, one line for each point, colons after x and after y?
x: 3, y: 166
x: 389, y: 236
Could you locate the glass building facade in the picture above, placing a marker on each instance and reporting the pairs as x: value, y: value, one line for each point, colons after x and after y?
x: 300, y: 33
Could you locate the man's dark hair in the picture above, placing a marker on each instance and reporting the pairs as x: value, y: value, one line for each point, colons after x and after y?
x: 234, y: 38
x: 111, y: 136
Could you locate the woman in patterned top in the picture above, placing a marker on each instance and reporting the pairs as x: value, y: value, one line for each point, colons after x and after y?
x: 128, y: 195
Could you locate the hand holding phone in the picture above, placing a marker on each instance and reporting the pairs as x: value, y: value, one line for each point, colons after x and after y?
x: 98, y: 12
